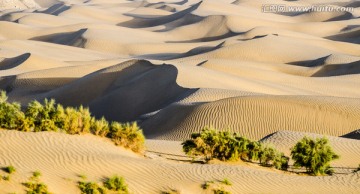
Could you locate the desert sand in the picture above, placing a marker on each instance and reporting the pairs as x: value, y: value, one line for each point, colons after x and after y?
x: 176, y: 66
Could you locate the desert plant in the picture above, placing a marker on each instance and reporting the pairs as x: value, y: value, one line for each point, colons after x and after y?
x: 314, y: 155
x: 221, y: 190
x: 128, y: 135
x: 36, y: 174
x: 270, y: 157
x: 207, y: 184
x: 83, y: 176
x: 222, y: 145
x: 77, y: 120
x: 253, y: 150
x: 116, y: 183
x: 210, y: 144
x: 10, y: 169
x: 11, y: 116
x: 34, y: 186
x: 46, y: 117
x: 91, y: 188
x: 100, y: 127
x: 226, y: 182
x: 6, y: 178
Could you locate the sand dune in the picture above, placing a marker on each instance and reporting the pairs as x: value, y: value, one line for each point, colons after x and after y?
x: 176, y: 66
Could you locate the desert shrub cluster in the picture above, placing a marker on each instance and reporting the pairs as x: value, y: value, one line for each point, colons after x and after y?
x: 35, y: 186
x: 223, y: 145
x: 50, y: 116
x: 218, y: 187
x: 114, y: 184
x: 314, y: 155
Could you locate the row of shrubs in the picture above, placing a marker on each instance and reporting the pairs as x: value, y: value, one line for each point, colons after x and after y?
x: 314, y: 155
x: 49, y: 116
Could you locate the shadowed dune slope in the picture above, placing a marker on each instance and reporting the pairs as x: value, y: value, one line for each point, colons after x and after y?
x: 136, y: 81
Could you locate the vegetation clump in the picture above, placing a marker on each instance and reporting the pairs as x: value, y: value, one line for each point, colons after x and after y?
x: 217, y: 188
x: 128, y: 135
x: 91, y: 188
x: 34, y: 186
x: 49, y: 116
x: 116, y: 183
x: 314, y: 155
x: 11, y: 116
x: 10, y: 169
x: 213, y: 144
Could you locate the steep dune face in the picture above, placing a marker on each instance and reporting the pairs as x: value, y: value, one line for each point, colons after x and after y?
x: 176, y: 66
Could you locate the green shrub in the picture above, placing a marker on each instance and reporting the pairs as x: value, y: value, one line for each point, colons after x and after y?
x: 226, y: 182
x: 314, y: 155
x: 128, y: 135
x: 36, y: 174
x: 211, y: 144
x: 45, y: 117
x: 10, y: 169
x: 100, y: 127
x: 221, y: 190
x: 270, y: 157
x: 116, y: 183
x: 6, y: 178
x: 91, y: 188
x: 11, y: 116
x: 77, y: 120
x: 50, y: 116
x: 34, y: 186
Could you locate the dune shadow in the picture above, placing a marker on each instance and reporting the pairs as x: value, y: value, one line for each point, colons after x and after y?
x: 192, y: 52
x: 9, y: 63
x: 311, y: 63
x: 67, y: 38
x: 352, y: 135
x: 55, y: 9
x: 141, y: 22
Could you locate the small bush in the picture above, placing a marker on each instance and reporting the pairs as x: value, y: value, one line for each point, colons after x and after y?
x: 226, y: 182
x: 36, y: 174
x: 100, y: 127
x: 45, y: 117
x: 128, y: 135
x: 6, y: 178
x: 10, y: 169
x: 211, y: 144
x: 270, y: 157
x: 91, y: 188
x: 221, y: 190
x: 83, y: 176
x: 11, y: 116
x: 206, y: 185
x: 116, y: 183
x: 77, y: 120
x: 314, y: 155
x: 34, y: 186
